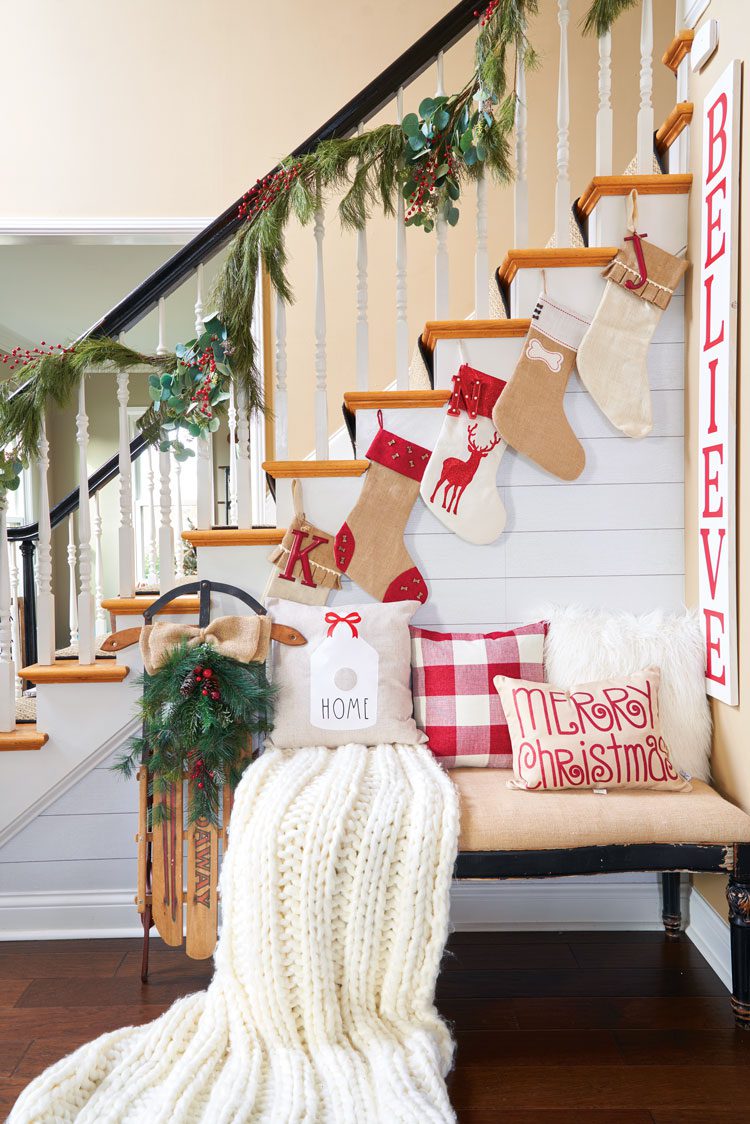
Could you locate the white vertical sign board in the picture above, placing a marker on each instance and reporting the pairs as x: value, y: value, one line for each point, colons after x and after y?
x: 717, y: 562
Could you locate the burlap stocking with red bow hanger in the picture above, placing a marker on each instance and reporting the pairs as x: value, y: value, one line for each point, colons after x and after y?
x: 641, y: 280
x: 370, y: 544
x: 304, y: 565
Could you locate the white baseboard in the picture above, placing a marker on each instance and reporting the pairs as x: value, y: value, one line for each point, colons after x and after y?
x: 68, y: 914
x: 556, y: 905
x: 710, y: 935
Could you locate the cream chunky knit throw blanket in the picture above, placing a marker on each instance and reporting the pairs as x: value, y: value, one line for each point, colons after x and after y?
x: 335, y: 904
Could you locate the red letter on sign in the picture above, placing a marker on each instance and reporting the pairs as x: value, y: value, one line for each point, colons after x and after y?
x: 713, y: 571
x: 711, y: 482
x: 713, y: 645
x: 712, y: 427
x: 708, y: 342
x: 716, y: 135
x: 297, y: 554
x: 713, y: 222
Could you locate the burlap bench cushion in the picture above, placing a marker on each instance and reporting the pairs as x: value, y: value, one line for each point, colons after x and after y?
x: 497, y: 818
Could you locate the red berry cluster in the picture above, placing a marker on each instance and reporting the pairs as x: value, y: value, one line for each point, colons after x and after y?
x: 20, y: 356
x: 205, y: 675
x: 199, y: 772
x: 424, y: 175
x: 262, y: 194
x: 206, y: 363
x: 489, y: 12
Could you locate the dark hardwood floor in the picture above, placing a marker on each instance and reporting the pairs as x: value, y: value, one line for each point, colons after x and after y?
x: 552, y: 1028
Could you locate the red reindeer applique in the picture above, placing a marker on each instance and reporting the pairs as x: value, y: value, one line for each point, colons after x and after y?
x: 457, y: 474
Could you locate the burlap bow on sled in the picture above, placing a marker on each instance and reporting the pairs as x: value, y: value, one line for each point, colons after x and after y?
x: 245, y: 639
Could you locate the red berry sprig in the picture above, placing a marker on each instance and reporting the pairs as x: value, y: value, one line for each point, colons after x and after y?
x: 20, y: 356
x: 200, y: 773
x: 263, y: 193
x: 209, y: 689
x: 488, y: 13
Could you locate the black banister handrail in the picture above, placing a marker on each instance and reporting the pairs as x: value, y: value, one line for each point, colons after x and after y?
x: 169, y: 276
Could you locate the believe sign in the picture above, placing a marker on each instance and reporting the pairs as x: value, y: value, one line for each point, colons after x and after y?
x: 720, y: 199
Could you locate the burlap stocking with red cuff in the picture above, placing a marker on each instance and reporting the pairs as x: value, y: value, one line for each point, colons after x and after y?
x: 459, y: 485
x: 369, y: 548
x: 304, y: 565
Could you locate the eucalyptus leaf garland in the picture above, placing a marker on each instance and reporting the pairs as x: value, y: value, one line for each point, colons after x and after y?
x: 199, y: 710
x: 429, y: 158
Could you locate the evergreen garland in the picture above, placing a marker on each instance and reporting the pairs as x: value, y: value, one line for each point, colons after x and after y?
x: 198, y: 710
x: 428, y: 158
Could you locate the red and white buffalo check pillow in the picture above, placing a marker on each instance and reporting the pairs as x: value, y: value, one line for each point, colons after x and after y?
x: 455, y: 702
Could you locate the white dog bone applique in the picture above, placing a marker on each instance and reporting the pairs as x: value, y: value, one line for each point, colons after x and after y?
x: 535, y: 349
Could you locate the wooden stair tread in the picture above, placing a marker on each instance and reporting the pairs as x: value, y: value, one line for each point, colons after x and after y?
x: 289, y: 470
x: 678, y: 49
x: 652, y: 184
x: 24, y: 737
x: 435, y: 330
x: 395, y: 400
x: 136, y: 606
x: 234, y: 536
x: 677, y: 120
x: 71, y: 671
x: 567, y: 257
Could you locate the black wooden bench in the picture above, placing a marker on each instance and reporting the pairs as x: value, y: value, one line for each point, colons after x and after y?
x: 510, y: 834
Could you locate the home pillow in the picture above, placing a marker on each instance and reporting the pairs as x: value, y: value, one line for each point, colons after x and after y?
x: 350, y: 681
x: 587, y: 644
x: 455, y: 703
x: 600, y: 735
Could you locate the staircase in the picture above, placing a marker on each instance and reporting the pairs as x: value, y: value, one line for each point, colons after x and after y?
x: 580, y: 542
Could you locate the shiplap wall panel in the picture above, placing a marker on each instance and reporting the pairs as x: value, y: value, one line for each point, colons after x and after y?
x: 66, y: 875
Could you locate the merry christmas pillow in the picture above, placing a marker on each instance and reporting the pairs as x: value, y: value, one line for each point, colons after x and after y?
x: 350, y: 682
x: 455, y: 703
x: 600, y: 735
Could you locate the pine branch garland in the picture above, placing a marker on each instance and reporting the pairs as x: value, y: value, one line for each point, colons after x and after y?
x: 603, y: 13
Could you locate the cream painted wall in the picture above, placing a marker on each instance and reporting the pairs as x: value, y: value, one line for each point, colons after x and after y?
x: 731, y: 755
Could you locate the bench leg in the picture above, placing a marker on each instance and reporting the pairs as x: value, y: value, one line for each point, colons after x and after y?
x: 671, y: 913
x: 738, y: 896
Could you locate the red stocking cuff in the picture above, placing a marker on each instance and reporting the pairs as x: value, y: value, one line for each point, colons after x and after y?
x: 475, y: 392
x: 404, y: 457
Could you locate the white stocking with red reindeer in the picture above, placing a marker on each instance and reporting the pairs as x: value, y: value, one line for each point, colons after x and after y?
x: 459, y: 484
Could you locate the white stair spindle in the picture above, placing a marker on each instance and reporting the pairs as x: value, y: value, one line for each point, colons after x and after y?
x: 679, y: 151
x: 199, y: 300
x: 244, y: 492
x: 45, y: 627
x: 442, y: 262
x: 126, y: 535
x: 645, y: 126
x: 179, y: 542
x: 281, y: 433
x: 86, y: 611
x: 72, y: 585
x: 481, y: 258
x: 205, y: 482
x: 101, y: 616
x: 402, y: 323
x: 521, y: 186
x: 166, y: 534
x: 321, y: 390
x: 7, y: 668
x: 562, y: 186
x: 257, y: 421
x: 363, y: 331
x: 232, y: 426
x: 15, y: 607
x: 604, y: 112
x: 150, y: 568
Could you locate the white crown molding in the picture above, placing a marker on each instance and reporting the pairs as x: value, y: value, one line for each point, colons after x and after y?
x: 169, y: 231
x: 710, y: 934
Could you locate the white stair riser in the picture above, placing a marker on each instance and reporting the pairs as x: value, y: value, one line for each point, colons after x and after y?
x: 495, y: 357
x: 244, y: 566
x: 663, y: 217
x: 129, y: 620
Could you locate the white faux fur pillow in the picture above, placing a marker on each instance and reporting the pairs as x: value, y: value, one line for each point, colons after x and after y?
x: 588, y: 644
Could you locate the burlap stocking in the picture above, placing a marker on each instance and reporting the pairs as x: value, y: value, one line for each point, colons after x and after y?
x: 612, y: 357
x: 529, y: 413
x: 370, y: 545
x: 459, y: 484
x: 304, y: 566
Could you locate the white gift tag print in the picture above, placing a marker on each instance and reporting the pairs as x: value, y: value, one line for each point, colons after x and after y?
x: 343, y: 677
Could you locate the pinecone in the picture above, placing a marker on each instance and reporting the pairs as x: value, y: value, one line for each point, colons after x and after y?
x: 188, y: 684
